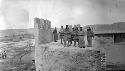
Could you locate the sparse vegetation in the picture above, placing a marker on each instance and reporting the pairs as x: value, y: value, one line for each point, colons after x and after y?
x: 15, y: 62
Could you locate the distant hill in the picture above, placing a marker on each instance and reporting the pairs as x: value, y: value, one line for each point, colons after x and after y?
x: 10, y: 32
x: 16, y: 34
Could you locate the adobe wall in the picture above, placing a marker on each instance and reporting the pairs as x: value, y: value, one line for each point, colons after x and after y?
x: 43, y: 33
x: 114, y: 51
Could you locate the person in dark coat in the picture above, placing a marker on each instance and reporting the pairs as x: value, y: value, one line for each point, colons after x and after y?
x: 90, y: 35
x: 33, y: 67
x: 55, y: 35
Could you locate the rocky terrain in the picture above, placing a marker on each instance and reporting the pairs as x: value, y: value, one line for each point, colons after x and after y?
x: 19, y: 55
x: 55, y: 57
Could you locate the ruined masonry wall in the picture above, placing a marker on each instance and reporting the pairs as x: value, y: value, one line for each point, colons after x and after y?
x: 43, y: 33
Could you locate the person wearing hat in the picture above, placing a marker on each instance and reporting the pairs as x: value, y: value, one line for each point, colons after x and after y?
x: 55, y: 34
x: 61, y: 34
x: 90, y: 35
x: 81, y: 35
x: 75, y: 33
x: 33, y: 68
x: 67, y: 35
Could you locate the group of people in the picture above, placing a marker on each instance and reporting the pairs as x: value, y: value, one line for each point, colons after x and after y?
x: 75, y: 34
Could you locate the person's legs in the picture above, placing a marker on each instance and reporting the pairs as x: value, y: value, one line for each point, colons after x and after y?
x: 82, y: 42
x: 55, y: 39
x: 2, y: 56
x: 61, y: 41
x: 90, y: 43
x: 5, y: 56
x: 64, y: 43
x: 71, y: 42
x: 74, y: 42
x: 68, y: 43
x: 89, y: 39
x: 64, y: 40
x: 77, y: 41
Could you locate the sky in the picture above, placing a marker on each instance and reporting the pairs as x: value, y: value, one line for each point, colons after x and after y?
x: 20, y: 14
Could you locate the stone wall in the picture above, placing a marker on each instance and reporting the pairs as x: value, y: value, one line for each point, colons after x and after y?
x: 43, y: 33
x: 114, y: 52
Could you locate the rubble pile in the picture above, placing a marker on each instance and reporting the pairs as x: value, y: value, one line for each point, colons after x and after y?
x: 69, y: 59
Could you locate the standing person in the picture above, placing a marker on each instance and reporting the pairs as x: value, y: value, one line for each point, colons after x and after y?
x: 33, y: 68
x: 0, y: 55
x: 75, y: 33
x: 61, y: 34
x: 90, y: 35
x: 55, y: 35
x: 4, y: 55
x: 81, y: 35
x: 72, y: 35
x: 67, y: 35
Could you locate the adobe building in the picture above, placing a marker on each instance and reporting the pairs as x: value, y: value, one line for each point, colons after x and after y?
x: 112, y: 38
x: 114, y: 32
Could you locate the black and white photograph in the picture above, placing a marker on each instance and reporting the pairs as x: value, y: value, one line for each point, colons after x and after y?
x: 62, y: 35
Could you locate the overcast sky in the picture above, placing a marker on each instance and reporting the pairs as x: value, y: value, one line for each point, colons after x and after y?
x: 20, y: 13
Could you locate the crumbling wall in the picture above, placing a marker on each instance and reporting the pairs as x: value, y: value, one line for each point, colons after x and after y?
x: 43, y: 33
x: 114, y: 52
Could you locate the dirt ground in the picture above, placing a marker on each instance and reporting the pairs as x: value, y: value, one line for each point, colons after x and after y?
x: 19, y: 56
x: 115, y: 58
